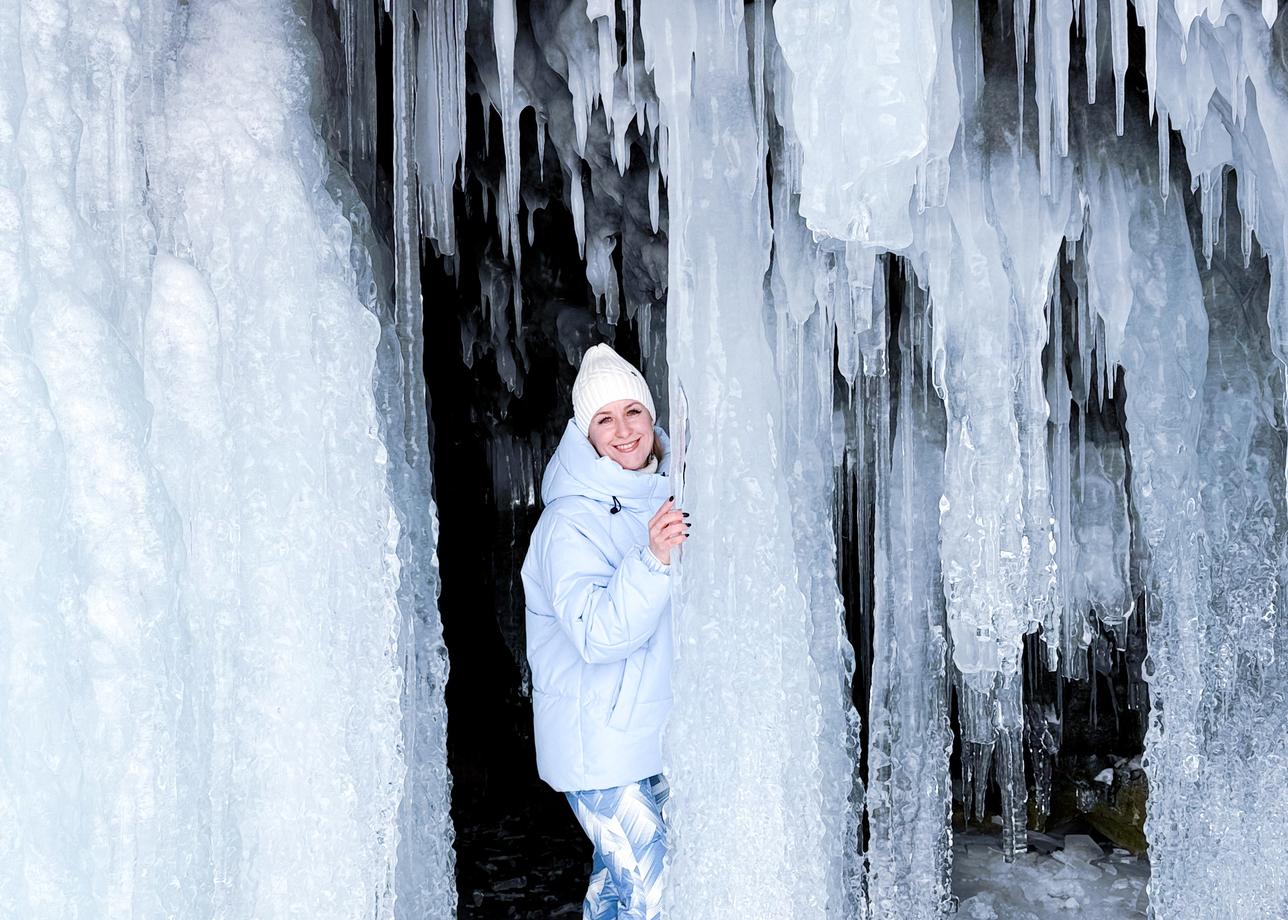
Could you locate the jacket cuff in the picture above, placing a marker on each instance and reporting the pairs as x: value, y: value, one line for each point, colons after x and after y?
x: 652, y: 563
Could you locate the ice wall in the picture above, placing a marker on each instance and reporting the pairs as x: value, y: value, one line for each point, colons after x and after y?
x: 208, y: 570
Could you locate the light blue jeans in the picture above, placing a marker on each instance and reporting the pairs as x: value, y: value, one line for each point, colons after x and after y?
x: 626, y: 826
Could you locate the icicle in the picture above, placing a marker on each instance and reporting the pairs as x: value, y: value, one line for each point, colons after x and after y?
x: 1164, y: 154
x: 541, y: 148
x: 1212, y: 205
x: 1147, y: 18
x: 1051, y: 67
x: 1010, y: 766
x: 504, y: 29
x: 1090, y: 11
x: 1118, y: 25
x: 758, y: 77
x: 440, y: 116
x: 909, y: 849
x: 603, y: 13
x: 577, y: 205
x: 654, y: 204
x: 629, y: 7
x: 1020, y: 13
x: 1246, y: 196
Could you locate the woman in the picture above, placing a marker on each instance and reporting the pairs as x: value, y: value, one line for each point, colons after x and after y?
x: 597, y: 590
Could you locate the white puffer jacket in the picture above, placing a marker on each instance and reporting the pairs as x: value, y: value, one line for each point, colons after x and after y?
x: 598, y: 620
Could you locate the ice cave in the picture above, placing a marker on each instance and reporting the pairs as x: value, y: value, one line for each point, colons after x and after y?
x: 968, y: 320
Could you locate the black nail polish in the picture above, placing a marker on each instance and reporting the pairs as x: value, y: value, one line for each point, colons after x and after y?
x: 685, y: 513
x: 671, y: 499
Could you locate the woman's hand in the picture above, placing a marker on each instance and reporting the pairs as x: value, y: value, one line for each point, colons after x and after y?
x: 666, y: 529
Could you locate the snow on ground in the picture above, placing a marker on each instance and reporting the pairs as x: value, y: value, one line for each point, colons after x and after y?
x: 1058, y: 877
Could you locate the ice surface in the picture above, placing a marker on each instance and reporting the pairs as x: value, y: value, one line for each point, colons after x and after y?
x: 208, y: 570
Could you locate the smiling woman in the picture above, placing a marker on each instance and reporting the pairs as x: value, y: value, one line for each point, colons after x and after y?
x: 597, y: 590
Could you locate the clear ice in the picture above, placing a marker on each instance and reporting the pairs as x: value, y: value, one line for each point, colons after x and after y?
x: 1055, y: 420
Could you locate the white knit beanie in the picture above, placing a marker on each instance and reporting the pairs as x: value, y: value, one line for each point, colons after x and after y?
x: 604, y: 377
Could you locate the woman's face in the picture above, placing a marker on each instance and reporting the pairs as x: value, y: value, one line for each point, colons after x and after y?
x: 623, y: 430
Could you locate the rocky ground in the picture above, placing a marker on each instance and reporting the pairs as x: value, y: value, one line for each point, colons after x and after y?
x: 534, y: 861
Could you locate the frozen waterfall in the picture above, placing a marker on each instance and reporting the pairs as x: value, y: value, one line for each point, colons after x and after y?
x: 968, y: 320
x: 217, y: 543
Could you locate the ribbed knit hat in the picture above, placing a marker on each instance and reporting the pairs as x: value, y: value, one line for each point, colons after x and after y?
x: 604, y: 377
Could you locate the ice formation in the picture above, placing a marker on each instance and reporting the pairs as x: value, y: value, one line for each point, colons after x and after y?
x: 1032, y: 321
x: 1058, y: 309
x: 222, y: 680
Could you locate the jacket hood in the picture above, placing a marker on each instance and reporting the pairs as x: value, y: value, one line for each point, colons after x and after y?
x: 576, y: 469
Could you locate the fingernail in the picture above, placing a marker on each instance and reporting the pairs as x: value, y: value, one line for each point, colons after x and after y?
x: 671, y: 499
x: 685, y: 513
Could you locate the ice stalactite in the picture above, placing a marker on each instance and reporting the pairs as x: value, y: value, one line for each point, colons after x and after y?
x: 203, y: 688
x: 440, y: 116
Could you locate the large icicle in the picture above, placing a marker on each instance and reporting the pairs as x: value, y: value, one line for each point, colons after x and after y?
x: 300, y: 523
x: 440, y: 116
x: 743, y: 742
x: 909, y: 794
x: 425, y: 881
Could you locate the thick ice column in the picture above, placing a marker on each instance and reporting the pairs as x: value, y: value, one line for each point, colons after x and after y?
x: 743, y: 743
x: 1164, y: 358
x: 1242, y: 710
x: 803, y: 353
x: 96, y: 746
x: 991, y: 261
x: 1206, y: 445
x: 425, y: 883
x: 217, y: 531
x: 909, y: 793
x: 304, y: 687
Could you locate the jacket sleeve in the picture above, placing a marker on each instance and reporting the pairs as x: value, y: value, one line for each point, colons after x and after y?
x: 607, y: 612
